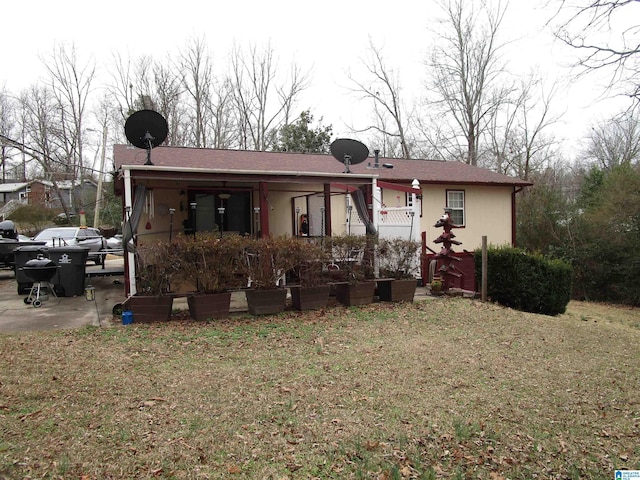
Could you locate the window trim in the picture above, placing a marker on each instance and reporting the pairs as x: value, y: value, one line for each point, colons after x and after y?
x: 464, y: 204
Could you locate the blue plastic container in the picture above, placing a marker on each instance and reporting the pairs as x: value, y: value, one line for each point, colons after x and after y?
x: 127, y: 317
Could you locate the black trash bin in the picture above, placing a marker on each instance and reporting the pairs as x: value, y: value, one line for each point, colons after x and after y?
x: 21, y: 256
x: 71, y: 262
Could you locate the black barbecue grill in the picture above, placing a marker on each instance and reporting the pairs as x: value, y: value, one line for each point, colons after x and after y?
x: 40, y: 271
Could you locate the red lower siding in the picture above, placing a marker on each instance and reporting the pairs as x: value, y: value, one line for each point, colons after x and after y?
x: 466, y: 267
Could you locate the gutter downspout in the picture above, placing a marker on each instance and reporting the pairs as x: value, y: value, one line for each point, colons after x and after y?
x: 516, y: 190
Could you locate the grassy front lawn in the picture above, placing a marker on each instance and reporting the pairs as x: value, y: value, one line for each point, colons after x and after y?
x: 444, y: 388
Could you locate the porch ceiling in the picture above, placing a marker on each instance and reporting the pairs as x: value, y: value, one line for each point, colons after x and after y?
x: 192, y: 176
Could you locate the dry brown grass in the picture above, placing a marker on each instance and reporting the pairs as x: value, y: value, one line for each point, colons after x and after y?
x: 447, y: 388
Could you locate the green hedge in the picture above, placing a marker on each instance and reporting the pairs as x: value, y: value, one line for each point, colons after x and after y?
x: 531, y: 283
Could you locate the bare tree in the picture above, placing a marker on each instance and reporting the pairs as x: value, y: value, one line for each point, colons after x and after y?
x: 133, y: 84
x: 7, y: 130
x: 70, y: 83
x: 168, y: 92
x: 382, y: 87
x: 615, y: 141
x: 516, y: 135
x: 43, y: 142
x: 197, y: 79
x: 13, y: 135
x: 465, y: 70
x: 142, y: 83
x: 255, y: 85
x: 41, y: 126
x: 221, y: 111
x: 211, y: 119
x: 606, y: 36
x: 121, y: 87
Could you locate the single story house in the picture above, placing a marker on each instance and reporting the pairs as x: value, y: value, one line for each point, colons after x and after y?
x: 283, y: 193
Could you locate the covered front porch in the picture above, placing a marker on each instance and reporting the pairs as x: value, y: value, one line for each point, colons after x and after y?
x: 161, y: 202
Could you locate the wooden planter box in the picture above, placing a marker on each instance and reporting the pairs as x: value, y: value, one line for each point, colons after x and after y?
x: 147, y: 309
x: 351, y: 294
x: 309, y: 298
x: 266, y: 302
x: 397, y: 290
x: 209, y: 305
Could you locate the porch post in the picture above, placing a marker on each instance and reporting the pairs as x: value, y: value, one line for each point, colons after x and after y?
x: 376, y: 202
x: 327, y: 209
x: 415, y: 218
x: 263, y: 192
x: 130, y: 263
x: 370, y: 196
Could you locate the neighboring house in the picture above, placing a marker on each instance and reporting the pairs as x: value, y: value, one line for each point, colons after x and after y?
x: 269, y: 193
x: 15, y: 195
x: 12, y: 196
x: 18, y: 191
x: 74, y: 194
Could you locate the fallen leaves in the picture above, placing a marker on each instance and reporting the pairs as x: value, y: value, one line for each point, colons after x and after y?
x: 369, y: 392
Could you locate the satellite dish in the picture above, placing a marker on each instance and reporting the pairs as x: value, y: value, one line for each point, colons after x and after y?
x: 349, y: 152
x: 146, y: 129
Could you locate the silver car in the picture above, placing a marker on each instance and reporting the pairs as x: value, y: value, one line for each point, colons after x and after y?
x: 90, y: 238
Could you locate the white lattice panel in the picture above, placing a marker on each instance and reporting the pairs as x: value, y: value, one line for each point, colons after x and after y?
x: 400, y: 216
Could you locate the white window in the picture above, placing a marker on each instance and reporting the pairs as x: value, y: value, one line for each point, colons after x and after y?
x: 455, y: 202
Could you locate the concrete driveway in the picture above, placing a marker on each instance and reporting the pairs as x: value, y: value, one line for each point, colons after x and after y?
x: 60, y: 312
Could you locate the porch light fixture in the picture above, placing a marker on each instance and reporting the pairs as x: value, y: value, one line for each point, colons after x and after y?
x: 194, y: 206
x: 221, y: 211
x: 172, y: 211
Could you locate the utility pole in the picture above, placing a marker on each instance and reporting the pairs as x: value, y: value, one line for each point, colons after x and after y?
x: 96, y: 214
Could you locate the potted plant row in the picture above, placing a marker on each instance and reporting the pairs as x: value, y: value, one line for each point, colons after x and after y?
x: 398, y: 265
x: 210, y: 264
x: 157, y: 263
x: 206, y: 268
x: 266, y: 263
x: 310, y: 290
x: 353, y: 268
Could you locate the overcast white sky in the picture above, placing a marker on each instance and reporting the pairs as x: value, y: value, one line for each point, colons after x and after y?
x: 329, y: 37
